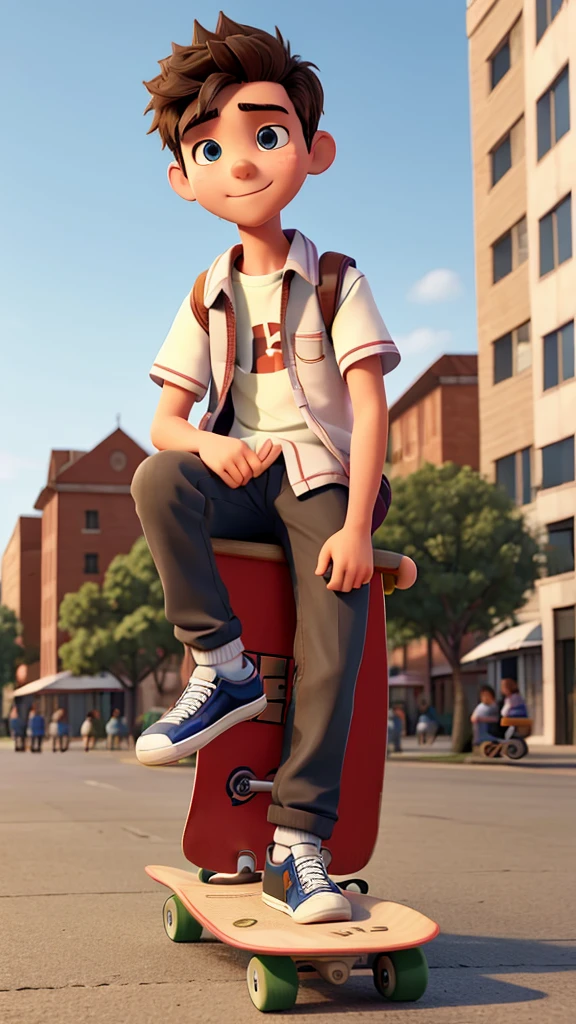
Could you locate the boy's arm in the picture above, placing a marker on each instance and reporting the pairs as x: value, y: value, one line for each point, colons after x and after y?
x: 350, y: 550
x: 233, y: 461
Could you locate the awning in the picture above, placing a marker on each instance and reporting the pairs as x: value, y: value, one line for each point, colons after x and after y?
x: 65, y: 682
x: 517, y: 638
x: 405, y: 679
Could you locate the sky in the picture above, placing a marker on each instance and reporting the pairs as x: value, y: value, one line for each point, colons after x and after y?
x: 97, y: 253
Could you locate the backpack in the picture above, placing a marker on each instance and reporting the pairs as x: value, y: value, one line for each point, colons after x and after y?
x: 332, y: 267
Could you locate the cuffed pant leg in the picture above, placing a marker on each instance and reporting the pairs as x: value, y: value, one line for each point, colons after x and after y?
x: 330, y: 635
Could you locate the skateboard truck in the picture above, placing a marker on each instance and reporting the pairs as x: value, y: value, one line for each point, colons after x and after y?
x: 242, y: 785
x: 245, y: 873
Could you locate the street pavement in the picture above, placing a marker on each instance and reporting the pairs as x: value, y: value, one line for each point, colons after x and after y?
x: 487, y: 851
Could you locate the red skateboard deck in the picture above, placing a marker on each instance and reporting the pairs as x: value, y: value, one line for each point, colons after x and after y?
x: 225, y: 818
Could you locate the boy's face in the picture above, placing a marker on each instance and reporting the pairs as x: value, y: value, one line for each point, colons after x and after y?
x: 244, y: 164
x: 486, y: 697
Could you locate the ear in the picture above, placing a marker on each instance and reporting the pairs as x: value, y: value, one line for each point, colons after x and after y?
x: 322, y: 153
x: 179, y: 182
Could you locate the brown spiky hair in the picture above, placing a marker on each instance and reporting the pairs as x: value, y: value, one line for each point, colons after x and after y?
x: 232, y: 54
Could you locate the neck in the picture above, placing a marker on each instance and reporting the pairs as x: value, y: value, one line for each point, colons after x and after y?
x: 264, y: 248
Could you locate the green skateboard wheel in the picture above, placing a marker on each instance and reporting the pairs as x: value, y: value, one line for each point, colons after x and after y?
x: 179, y: 924
x: 402, y: 975
x: 272, y: 982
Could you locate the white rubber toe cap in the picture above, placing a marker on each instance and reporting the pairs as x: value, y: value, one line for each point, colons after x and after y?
x: 154, y: 749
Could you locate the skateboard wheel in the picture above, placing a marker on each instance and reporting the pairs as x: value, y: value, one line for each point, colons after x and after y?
x: 179, y: 924
x: 490, y: 749
x: 354, y: 885
x: 272, y: 982
x: 515, y: 749
x: 204, y: 874
x: 401, y: 976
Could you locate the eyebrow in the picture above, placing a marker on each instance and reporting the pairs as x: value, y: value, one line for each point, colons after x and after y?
x: 261, y: 106
x: 194, y: 121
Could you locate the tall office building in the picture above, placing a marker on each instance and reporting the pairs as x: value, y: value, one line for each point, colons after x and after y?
x: 523, y: 106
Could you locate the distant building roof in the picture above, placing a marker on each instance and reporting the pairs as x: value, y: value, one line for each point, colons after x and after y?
x: 448, y: 369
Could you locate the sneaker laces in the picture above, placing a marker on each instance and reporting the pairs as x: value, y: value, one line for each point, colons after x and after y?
x: 191, y: 700
x: 312, y: 874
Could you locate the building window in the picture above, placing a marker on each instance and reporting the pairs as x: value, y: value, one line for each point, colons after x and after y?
x: 500, y: 63
x: 501, y: 159
x: 514, y: 475
x: 523, y: 347
x: 560, y: 547
x: 503, y: 358
x: 91, y: 519
x: 558, y: 463
x: 556, y: 236
x: 546, y: 11
x: 91, y: 564
x: 506, y: 475
x: 512, y: 353
x: 510, y: 251
x: 553, y: 113
x: 502, y: 257
x: 559, y: 356
x: 526, y: 474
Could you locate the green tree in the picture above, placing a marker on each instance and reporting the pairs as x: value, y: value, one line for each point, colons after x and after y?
x: 120, y: 627
x: 10, y: 645
x: 476, y: 561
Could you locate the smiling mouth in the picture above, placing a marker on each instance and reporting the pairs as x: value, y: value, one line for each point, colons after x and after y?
x: 255, y: 192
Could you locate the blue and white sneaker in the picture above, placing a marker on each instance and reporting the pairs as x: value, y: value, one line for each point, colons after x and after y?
x: 208, y: 706
x: 300, y: 887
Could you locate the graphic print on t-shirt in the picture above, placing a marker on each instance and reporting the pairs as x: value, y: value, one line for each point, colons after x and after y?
x: 266, y: 348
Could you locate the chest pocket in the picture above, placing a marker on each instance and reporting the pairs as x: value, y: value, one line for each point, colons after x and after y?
x: 309, y: 346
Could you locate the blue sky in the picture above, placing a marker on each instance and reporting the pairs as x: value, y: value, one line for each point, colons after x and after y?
x: 100, y: 252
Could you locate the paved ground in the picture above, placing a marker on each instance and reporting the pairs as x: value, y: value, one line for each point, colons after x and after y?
x: 486, y: 851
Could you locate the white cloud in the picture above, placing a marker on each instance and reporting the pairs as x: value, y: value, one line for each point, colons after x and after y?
x: 437, y: 286
x: 423, y: 339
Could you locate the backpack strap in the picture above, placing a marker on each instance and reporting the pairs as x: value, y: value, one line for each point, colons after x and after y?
x: 197, y: 301
x: 332, y: 267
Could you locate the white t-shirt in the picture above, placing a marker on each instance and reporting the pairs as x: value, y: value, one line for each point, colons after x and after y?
x: 263, y: 399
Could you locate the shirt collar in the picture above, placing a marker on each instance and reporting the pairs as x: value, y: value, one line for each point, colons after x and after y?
x: 302, y: 259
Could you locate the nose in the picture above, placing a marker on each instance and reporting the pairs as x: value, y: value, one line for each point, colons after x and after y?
x: 243, y: 170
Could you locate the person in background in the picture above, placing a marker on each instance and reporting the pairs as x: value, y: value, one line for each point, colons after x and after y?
x: 98, y: 725
x: 17, y: 730
x: 53, y: 728
x: 63, y: 732
x: 87, y: 731
x: 485, y: 718
x: 114, y: 730
x: 427, y: 724
x: 513, y: 705
x: 36, y: 730
x: 394, y: 731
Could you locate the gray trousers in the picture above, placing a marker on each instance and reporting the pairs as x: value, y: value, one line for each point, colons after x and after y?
x: 182, y: 504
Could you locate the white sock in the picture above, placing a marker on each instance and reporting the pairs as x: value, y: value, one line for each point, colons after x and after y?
x: 286, y: 838
x: 237, y: 670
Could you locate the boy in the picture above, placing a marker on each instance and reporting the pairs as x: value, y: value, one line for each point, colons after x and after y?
x: 291, y: 448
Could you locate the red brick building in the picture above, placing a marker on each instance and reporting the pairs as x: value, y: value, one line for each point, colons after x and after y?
x: 21, y: 581
x: 88, y: 517
x: 436, y: 420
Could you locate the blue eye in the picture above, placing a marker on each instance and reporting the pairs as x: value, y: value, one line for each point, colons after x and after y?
x: 272, y: 136
x: 207, y: 151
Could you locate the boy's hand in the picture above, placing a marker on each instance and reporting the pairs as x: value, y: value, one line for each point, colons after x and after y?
x: 233, y: 460
x: 350, y: 551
